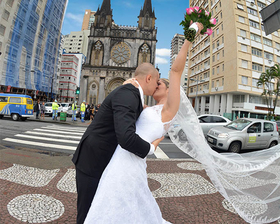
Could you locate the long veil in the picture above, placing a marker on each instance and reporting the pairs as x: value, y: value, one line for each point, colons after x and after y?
x: 249, y: 181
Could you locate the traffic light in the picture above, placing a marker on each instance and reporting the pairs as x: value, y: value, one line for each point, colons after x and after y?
x: 78, y: 90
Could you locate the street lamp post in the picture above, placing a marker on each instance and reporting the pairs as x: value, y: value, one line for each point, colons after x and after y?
x: 197, y: 81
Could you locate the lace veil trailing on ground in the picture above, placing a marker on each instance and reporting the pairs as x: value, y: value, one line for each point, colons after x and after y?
x: 249, y: 181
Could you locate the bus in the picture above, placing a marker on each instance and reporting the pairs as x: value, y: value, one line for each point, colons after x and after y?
x: 16, y: 105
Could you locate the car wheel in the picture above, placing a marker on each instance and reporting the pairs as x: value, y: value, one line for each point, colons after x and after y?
x: 182, y: 135
x: 274, y: 143
x: 15, y: 117
x: 234, y: 147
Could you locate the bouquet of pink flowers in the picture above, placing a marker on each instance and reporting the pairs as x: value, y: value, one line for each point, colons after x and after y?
x: 197, y: 14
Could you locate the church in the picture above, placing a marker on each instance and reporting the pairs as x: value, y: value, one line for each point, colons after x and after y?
x: 115, y: 51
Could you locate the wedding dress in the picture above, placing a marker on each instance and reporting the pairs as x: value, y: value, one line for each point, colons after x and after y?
x: 123, y: 195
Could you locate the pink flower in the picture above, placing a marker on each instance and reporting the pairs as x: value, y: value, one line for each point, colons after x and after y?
x: 213, y: 21
x: 206, y: 13
x: 189, y: 11
x: 209, y: 31
x: 196, y: 8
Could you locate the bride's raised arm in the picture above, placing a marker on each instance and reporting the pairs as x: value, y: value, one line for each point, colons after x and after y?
x: 171, y: 106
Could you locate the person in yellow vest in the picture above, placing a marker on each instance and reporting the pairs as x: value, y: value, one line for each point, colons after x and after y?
x: 83, y: 110
x: 74, y: 111
x: 54, y: 109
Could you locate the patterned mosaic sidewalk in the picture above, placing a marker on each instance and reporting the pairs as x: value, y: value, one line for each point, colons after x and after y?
x: 181, y: 188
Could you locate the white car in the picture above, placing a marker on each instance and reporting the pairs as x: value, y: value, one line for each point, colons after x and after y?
x: 207, y: 121
x: 48, y: 109
x: 66, y: 107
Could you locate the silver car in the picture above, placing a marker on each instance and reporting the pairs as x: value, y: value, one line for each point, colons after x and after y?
x: 244, y: 133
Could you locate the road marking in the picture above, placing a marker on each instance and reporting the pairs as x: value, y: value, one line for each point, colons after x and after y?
x: 40, y: 144
x: 160, y: 154
x: 47, y: 139
x: 55, y: 135
x: 61, y: 132
x: 167, y: 143
x: 64, y: 129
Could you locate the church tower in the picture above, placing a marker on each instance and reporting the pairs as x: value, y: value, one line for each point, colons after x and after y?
x: 115, y: 51
x: 104, y: 16
x: 147, y: 17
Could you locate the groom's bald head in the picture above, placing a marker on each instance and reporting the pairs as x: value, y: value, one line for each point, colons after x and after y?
x: 147, y: 76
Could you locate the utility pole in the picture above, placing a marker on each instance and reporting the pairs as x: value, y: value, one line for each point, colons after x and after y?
x: 67, y: 92
x: 51, y: 87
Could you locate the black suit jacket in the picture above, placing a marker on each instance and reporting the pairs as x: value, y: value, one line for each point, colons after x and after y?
x: 113, y: 124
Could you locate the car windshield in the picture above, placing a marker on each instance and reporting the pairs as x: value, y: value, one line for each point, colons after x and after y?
x: 48, y: 104
x: 238, y: 124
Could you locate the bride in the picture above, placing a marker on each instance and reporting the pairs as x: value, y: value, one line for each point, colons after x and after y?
x: 123, y: 195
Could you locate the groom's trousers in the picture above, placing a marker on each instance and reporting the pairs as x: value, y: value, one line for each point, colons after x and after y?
x: 86, y: 188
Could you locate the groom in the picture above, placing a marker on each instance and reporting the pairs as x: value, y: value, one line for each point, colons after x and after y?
x: 114, y: 124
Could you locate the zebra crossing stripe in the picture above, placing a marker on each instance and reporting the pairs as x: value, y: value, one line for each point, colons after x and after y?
x: 64, y: 129
x: 160, y: 154
x: 55, y: 135
x: 46, y: 145
x: 47, y: 139
x: 60, y: 132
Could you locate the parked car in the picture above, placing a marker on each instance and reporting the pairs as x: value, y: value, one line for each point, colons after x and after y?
x: 278, y: 125
x: 66, y: 107
x: 206, y: 121
x: 244, y: 133
x: 70, y: 112
x: 49, y: 111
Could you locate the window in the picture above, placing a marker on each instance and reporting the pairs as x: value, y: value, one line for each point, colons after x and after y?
x: 219, y: 120
x: 223, y: 81
x: 256, y: 52
x: 254, y: 24
x: 268, y: 127
x: 255, y: 37
x: 267, y: 41
x: 6, y: 15
x: 244, y: 47
x: 278, y: 59
x: 244, y: 80
x: 217, y: 83
x: 218, y: 56
x: 261, y: 5
x: 213, y: 71
x: 255, y: 128
x: 2, y: 29
x: 268, y: 56
x: 277, y: 46
x: 10, y: 3
x: 241, y: 19
x: 3, y: 99
x: 252, y: 11
x: 205, y: 119
x: 257, y: 67
x: 218, y: 69
x: 213, y: 58
x: 243, y: 33
x: 244, y: 64
x: 15, y: 100
x: 217, y: 31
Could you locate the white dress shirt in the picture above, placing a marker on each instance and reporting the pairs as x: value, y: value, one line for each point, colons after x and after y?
x: 152, y: 147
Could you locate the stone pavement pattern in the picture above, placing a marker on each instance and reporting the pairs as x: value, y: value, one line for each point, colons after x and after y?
x: 38, y: 188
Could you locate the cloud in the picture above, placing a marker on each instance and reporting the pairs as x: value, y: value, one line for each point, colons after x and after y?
x: 163, y: 52
x: 160, y: 60
x: 78, y: 18
x: 128, y: 4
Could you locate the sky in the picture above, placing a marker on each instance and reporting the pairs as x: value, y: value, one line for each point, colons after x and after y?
x: 169, y: 14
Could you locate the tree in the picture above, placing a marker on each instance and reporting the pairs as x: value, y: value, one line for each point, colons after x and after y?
x: 266, y: 81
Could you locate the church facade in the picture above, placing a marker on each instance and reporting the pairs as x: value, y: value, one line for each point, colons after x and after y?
x: 114, y: 52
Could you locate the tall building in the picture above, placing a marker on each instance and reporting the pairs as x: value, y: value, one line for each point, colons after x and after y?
x: 76, y: 42
x: 224, y: 68
x: 29, y: 43
x: 176, y: 44
x: 89, y: 19
x: 70, y: 74
x: 114, y: 51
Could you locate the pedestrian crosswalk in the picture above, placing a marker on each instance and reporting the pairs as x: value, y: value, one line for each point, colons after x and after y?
x: 58, y: 137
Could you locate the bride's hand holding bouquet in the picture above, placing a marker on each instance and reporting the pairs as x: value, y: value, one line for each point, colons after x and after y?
x: 197, y: 15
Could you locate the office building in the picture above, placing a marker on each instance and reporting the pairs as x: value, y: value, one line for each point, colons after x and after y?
x: 29, y: 44
x: 89, y: 19
x: 226, y: 66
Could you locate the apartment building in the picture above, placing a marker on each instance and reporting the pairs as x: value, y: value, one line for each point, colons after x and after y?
x: 70, y: 74
x: 89, y: 19
x: 225, y: 67
x: 30, y: 33
x: 176, y: 44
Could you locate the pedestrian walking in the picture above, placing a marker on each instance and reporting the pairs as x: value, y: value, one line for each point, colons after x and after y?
x: 74, y: 110
x: 83, y: 110
x: 96, y: 109
x: 37, y: 108
x: 55, y: 109
x: 43, y: 108
x: 87, y: 114
x: 91, y: 111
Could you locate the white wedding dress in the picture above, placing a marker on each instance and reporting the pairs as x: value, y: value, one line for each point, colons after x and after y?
x: 123, y: 195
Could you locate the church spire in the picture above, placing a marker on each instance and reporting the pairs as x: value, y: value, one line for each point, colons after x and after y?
x: 147, y: 16
x: 103, y: 15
